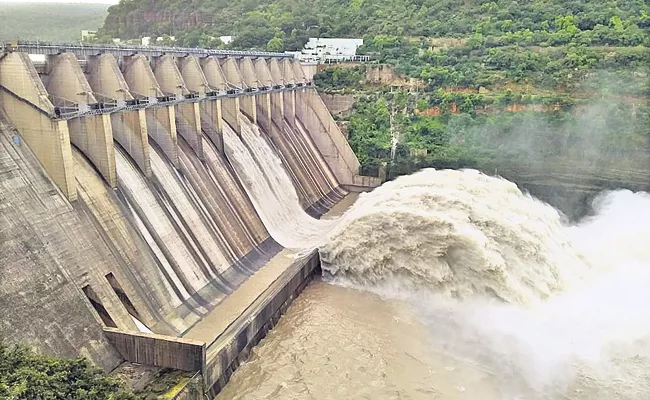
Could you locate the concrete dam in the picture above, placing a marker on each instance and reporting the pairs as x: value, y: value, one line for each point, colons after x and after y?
x: 137, y: 197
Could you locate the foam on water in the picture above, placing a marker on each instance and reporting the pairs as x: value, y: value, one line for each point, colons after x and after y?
x: 459, y: 232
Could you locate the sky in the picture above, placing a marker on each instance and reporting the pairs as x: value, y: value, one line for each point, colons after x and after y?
x: 65, y: 1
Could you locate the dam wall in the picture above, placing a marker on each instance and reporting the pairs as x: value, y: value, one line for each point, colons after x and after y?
x: 123, y: 216
x: 42, y: 304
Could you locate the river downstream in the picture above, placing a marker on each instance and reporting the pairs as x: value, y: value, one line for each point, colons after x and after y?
x: 338, y: 342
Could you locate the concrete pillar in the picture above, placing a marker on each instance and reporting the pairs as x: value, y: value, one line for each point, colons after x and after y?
x: 188, y: 125
x: 130, y: 131
x: 289, y: 100
x: 263, y: 100
x: 25, y: 103
x: 276, y: 71
x: 188, y: 115
x: 160, y: 121
x: 168, y: 76
x: 129, y: 127
x: 161, y: 126
x: 139, y: 77
x: 64, y: 79
x: 277, y: 108
x: 263, y: 73
x: 298, y: 72
x: 230, y: 112
x: 197, y: 82
x: 248, y: 72
x: 264, y: 111
x: 232, y: 73
x: 287, y: 72
x: 212, y: 110
x: 310, y: 70
x: 248, y: 106
x: 212, y: 121
x: 105, y: 78
x: 192, y: 74
x: 92, y: 134
x: 213, y: 73
x: 236, y: 78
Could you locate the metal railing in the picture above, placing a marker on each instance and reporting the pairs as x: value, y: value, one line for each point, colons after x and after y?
x: 85, y: 49
x: 66, y: 110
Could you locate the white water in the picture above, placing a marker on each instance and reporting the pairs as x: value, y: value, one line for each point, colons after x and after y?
x: 459, y: 232
x: 271, y: 190
x: 549, y: 310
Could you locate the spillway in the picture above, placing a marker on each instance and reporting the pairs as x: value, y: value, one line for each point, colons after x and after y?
x: 165, y: 211
x: 270, y: 188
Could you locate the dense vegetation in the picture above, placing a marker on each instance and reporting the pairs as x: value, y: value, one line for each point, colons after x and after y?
x: 256, y: 23
x: 525, y: 86
x: 484, y: 107
x: 49, y: 21
x: 603, y: 131
x: 26, y: 375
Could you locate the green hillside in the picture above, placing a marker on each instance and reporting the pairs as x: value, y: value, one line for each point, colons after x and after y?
x: 256, y: 22
x: 49, y: 21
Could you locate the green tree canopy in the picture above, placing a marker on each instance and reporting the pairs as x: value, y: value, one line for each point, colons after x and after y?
x: 29, y: 376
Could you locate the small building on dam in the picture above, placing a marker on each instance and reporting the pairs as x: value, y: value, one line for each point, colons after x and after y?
x: 130, y: 228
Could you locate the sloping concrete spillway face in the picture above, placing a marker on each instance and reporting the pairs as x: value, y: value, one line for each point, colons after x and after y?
x: 225, y: 207
x: 144, y: 270
x: 313, y: 117
x: 160, y: 121
x: 305, y: 111
x: 182, y: 242
x: 25, y: 103
x: 129, y: 127
x: 43, y: 243
x: 92, y: 134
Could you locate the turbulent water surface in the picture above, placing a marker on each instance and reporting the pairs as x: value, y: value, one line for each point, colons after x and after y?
x: 455, y: 285
x: 271, y: 190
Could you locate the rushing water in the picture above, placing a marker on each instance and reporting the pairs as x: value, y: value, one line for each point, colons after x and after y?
x: 455, y: 285
x: 271, y: 190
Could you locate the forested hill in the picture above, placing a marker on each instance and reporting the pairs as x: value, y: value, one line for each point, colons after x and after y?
x: 49, y: 21
x: 256, y: 22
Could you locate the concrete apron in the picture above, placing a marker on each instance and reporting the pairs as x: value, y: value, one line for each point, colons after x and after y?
x: 242, y: 319
x: 232, y: 347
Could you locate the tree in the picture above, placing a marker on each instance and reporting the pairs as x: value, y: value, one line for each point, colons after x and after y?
x: 276, y: 45
x: 29, y: 376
